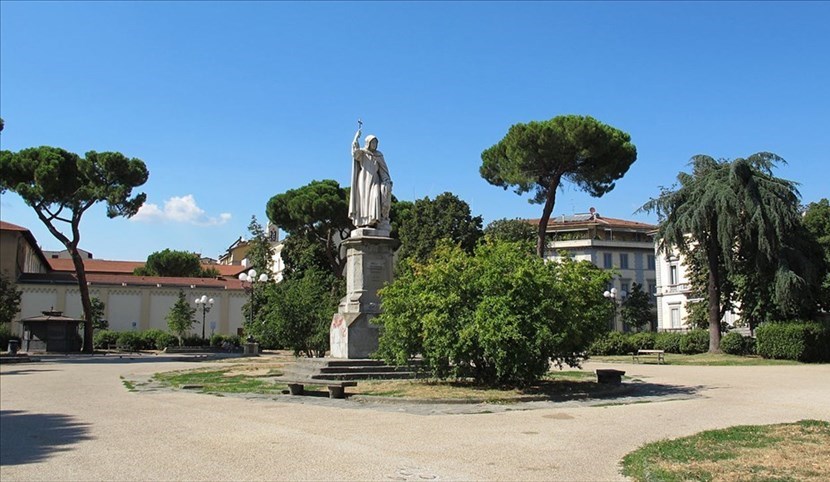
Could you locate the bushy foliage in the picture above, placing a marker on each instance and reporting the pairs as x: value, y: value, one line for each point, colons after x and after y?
x: 298, y: 311
x: 694, y: 342
x: 192, y: 340
x: 9, y: 300
x: 733, y: 343
x: 499, y: 315
x: 5, y: 336
x: 637, y: 310
x: 511, y: 230
x: 429, y: 221
x: 104, y: 339
x: 156, y: 339
x: 218, y: 340
x: 668, y: 342
x: 129, y: 340
x: 802, y: 341
x: 180, y: 318
x: 643, y: 340
x: 173, y: 263
x: 612, y: 343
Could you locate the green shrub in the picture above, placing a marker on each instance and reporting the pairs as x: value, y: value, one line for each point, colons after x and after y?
x: 192, y: 340
x: 104, y: 338
x: 733, y: 343
x: 642, y: 341
x: 156, y: 339
x: 612, y: 343
x: 694, y: 342
x: 749, y: 345
x: 5, y: 336
x: 668, y: 342
x: 216, y: 340
x: 801, y: 341
x: 500, y: 315
x: 129, y: 340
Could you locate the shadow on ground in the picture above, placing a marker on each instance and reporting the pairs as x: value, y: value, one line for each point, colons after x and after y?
x: 27, y: 438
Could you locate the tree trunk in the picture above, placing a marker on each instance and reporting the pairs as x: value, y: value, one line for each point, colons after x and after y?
x: 714, y: 298
x: 77, y: 261
x: 86, y: 303
x: 543, y: 221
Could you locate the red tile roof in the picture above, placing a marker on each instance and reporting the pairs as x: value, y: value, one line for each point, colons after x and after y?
x: 129, y: 280
x: 4, y: 226
x: 105, y: 266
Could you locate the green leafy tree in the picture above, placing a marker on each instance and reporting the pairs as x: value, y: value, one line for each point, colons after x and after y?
x: 181, y: 317
x: 61, y: 186
x: 431, y: 220
x: 499, y: 315
x: 98, y: 310
x: 538, y: 156
x: 317, y: 212
x: 510, y: 230
x: 172, y: 263
x: 260, y: 252
x: 9, y: 300
x: 298, y: 312
x: 637, y: 310
x: 817, y: 221
x: 723, y: 207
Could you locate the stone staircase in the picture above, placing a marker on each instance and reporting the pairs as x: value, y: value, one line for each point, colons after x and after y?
x: 340, y: 369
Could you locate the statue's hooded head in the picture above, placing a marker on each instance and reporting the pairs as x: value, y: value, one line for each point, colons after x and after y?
x: 371, y: 143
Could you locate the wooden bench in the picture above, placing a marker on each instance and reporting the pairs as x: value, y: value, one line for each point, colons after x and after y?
x: 336, y: 387
x: 660, y: 355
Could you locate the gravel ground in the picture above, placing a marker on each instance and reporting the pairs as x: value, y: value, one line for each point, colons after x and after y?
x: 71, y: 418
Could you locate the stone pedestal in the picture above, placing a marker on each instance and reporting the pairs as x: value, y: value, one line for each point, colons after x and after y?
x: 368, y: 268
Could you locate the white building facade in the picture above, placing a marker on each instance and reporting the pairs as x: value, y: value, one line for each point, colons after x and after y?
x: 624, y: 246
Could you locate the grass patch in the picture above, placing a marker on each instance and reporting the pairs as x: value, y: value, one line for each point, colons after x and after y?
x: 234, y: 379
x: 793, y: 451
x: 128, y: 384
x: 703, y: 359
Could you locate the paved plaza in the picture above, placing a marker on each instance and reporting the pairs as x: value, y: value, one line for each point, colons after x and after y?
x: 73, y: 419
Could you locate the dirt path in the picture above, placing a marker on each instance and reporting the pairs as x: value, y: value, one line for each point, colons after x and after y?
x: 76, y: 421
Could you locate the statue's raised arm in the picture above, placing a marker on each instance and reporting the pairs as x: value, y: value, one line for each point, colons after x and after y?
x: 371, y: 192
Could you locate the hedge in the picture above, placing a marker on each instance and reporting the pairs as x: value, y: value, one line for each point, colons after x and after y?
x: 668, y: 342
x: 796, y: 340
x: 694, y: 342
x: 733, y: 343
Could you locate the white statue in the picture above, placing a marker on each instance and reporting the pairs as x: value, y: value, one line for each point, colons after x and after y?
x: 371, y: 194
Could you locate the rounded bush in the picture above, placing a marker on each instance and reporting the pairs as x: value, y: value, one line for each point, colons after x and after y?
x: 642, y: 341
x: 149, y: 337
x: 801, y: 341
x: 192, y: 340
x: 733, y: 343
x: 694, y: 342
x: 104, y: 338
x: 668, y: 342
x: 613, y: 343
x: 130, y: 340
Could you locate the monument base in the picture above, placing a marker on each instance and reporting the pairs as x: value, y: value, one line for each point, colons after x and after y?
x: 368, y: 268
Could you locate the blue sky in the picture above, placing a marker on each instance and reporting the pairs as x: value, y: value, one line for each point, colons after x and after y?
x: 231, y: 103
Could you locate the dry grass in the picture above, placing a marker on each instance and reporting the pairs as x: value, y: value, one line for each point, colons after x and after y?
x: 798, y: 451
x: 559, y: 385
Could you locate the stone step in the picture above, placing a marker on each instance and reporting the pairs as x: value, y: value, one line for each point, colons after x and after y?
x: 366, y: 376
x: 364, y: 369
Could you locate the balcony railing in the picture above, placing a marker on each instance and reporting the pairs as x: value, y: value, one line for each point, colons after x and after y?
x: 678, y: 288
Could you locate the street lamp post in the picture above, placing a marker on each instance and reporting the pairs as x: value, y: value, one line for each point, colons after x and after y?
x: 616, y: 298
x: 205, y: 304
x: 251, y: 277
